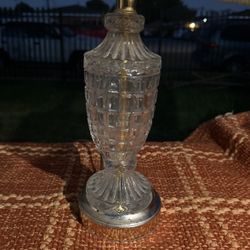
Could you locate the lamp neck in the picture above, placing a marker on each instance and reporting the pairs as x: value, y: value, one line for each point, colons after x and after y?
x: 125, y: 6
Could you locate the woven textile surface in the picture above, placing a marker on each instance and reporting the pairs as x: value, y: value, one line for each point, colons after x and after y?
x: 204, y: 184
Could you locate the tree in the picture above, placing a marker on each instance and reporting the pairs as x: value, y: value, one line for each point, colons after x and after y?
x: 23, y: 7
x: 97, y: 6
x: 154, y: 10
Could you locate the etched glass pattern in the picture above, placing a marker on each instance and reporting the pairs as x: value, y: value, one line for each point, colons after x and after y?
x: 121, y: 77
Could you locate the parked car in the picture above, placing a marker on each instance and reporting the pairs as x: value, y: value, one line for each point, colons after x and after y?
x: 33, y: 42
x: 224, y: 46
x: 42, y: 43
x: 158, y: 29
x: 91, y: 31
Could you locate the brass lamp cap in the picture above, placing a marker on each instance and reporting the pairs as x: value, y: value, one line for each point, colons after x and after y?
x: 125, y: 6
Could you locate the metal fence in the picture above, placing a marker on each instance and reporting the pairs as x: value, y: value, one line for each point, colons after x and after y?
x: 44, y: 44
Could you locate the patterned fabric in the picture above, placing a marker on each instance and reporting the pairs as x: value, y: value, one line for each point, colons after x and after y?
x: 204, y: 184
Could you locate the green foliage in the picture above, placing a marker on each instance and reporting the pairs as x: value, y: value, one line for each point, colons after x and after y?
x: 165, y: 10
x: 23, y: 7
x: 97, y: 6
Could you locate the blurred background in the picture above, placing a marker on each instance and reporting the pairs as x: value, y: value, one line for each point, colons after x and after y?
x: 205, y: 47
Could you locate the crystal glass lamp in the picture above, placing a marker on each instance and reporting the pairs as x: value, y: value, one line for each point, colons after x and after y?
x: 121, y: 77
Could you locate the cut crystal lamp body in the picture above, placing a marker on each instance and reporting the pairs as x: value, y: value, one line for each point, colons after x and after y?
x: 121, y: 77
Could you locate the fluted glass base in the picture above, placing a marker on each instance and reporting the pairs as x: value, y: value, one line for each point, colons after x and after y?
x: 118, y: 191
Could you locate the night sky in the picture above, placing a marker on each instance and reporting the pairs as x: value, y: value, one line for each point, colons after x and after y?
x: 206, y: 4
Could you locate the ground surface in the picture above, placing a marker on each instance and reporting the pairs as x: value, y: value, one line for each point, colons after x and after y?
x: 50, y: 111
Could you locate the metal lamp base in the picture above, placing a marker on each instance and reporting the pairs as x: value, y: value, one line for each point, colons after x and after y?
x: 121, y: 227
